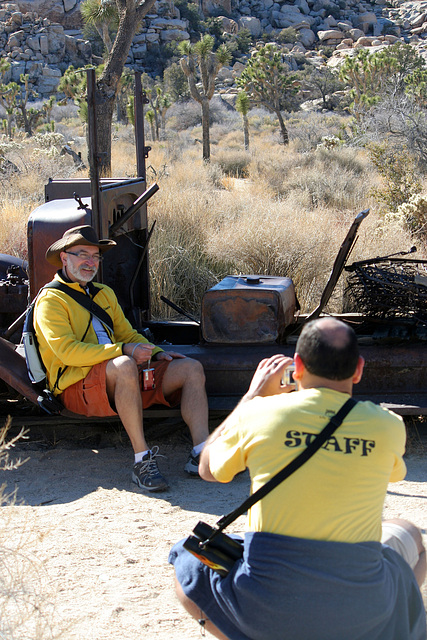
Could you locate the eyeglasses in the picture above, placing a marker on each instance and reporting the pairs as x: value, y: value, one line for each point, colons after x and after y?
x: 83, y: 255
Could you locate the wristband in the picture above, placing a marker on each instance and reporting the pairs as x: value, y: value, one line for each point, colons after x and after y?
x: 133, y: 350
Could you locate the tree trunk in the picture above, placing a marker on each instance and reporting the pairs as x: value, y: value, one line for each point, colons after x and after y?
x: 9, y: 118
x: 205, y: 130
x: 27, y: 124
x: 108, y: 84
x: 246, y: 130
x: 104, y: 117
x: 283, y: 129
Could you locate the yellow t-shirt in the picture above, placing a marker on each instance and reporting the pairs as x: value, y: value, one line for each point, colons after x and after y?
x: 336, y: 495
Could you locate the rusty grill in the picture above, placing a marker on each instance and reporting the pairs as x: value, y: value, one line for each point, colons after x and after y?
x: 388, y: 288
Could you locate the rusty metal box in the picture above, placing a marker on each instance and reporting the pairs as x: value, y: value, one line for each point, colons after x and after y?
x: 248, y: 309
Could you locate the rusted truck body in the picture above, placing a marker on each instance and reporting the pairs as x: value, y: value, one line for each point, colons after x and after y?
x: 243, y: 318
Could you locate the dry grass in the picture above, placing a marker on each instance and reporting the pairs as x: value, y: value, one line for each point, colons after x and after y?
x: 22, y: 189
x: 288, y: 216
x: 27, y: 598
x: 288, y: 219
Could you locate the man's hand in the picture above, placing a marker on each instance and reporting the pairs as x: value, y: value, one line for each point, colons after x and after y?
x: 168, y: 355
x: 139, y: 351
x: 268, y: 378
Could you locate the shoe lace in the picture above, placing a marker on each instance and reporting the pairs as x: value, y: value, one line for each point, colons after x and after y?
x: 149, y: 467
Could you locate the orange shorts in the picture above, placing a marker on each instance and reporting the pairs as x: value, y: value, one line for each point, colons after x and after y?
x: 88, y: 397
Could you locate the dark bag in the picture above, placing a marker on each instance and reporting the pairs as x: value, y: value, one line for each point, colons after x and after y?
x: 219, y: 554
x: 219, y: 551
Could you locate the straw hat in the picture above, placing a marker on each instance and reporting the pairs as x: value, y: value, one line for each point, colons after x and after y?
x: 85, y: 235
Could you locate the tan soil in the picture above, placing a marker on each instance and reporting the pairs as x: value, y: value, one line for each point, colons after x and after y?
x: 102, y: 544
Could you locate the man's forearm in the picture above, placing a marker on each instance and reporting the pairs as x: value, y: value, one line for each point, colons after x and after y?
x: 204, y: 468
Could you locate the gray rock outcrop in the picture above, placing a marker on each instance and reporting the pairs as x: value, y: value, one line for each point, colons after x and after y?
x: 44, y: 47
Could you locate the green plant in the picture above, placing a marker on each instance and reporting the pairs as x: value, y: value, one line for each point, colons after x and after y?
x: 414, y: 213
x: 189, y: 10
x: 102, y: 17
x: 243, y: 40
x: 289, y: 34
x: 175, y: 82
x: 399, y: 173
x: 214, y: 27
x: 201, y: 58
x: 268, y: 82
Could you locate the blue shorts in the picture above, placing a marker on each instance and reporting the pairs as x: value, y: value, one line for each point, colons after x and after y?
x: 288, y: 588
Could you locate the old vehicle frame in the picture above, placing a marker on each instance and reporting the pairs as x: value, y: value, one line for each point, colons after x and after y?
x: 243, y: 319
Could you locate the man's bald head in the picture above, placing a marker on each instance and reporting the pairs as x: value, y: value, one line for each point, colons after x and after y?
x: 328, y: 348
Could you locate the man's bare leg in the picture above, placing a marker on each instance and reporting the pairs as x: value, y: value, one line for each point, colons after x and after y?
x: 122, y: 380
x: 124, y: 391
x: 188, y: 375
x: 420, y: 568
x: 196, y: 613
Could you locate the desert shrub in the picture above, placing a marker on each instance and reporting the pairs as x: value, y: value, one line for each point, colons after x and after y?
x: 288, y: 35
x: 233, y: 163
x: 243, y: 40
x: 26, y: 597
x: 23, y: 190
x: 67, y: 112
x: 13, y: 224
x: 336, y: 178
x: 185, y: 213
x: 272, y: 239
x: 415, y: 212
x: 183, y: 115
x: 306, y: 129
x: 411, y: 215
x: 175, y: 82
x: 398, y: 170
x: 329, y: 142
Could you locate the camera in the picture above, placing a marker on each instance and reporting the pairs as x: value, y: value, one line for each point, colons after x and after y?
x: 219, y: 553
x: 287, y: 376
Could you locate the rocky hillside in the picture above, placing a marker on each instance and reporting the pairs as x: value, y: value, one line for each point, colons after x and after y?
x: 43, y: 38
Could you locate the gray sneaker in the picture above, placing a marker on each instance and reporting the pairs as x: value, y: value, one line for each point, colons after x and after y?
x: 192, y: 465
x: 146, y: 473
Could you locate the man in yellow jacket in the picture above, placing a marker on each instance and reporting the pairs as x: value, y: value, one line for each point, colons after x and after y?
x: 98, y: 371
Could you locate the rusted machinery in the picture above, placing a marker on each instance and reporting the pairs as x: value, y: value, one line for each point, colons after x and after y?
x: 243, y: 319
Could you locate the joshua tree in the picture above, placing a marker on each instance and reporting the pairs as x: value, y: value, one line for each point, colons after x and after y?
x: 243, y: 105
x: 152, y: 120
x: 267, y: 81
x: 8, y: 93
x: 101, y: 15
x: 29, y: 117
x: 130, y: 13
x: 200, y: 58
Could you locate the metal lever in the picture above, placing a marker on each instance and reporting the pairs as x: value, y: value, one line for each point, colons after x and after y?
x: 139, y: 202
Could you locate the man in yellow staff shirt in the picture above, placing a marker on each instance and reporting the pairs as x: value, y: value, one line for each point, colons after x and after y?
x: 318, y: 562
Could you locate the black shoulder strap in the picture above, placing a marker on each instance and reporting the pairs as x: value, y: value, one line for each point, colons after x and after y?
x: 84, y: 300
x: 295, y: 464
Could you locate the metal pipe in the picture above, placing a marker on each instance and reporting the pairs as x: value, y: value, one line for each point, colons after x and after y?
x: 93, y: 151
x: 139, y: 265
x: 140, y: 99
x: 179, y: 310
x: 18, y: 324
x: 117, y: 182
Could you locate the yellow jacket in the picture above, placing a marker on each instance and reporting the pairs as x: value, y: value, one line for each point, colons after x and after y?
x: 60, y: 324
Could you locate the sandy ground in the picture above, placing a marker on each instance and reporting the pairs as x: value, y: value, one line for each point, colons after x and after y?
x: 93, y: 549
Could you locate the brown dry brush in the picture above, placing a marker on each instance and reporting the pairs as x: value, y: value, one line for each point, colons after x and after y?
x: 286, y: 218
x: 27, y: 604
